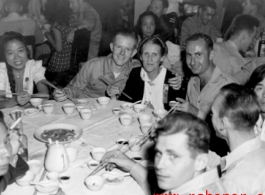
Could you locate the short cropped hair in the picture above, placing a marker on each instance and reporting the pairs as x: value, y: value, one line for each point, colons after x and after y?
x: 240, y: 106
x: 156, y: 40
x: 258, y: 3
x: 206, y: 38
x: 164, y: 3
x: 208, y: 3
x: 126, y: 33
x: 256, y: 77
x: 196, y: 129
x: 242, y: 22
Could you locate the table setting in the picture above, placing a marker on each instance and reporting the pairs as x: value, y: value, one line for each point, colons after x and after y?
x: 67, y: 141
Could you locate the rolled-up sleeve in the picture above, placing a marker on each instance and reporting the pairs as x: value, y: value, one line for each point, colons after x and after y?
x: 39, y: 71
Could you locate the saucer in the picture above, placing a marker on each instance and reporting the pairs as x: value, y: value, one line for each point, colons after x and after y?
x: 31, y: 111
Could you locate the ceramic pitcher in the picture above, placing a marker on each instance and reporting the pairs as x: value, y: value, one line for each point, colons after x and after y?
x: 56, y: 158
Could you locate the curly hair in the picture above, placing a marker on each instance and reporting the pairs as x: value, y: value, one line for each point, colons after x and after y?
x: 7, y: 37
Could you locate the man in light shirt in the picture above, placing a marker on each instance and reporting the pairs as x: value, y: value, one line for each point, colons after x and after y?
x: 235, y: 113
x: 208, y: 79
x: 181, y: 158
x: 228, y: 55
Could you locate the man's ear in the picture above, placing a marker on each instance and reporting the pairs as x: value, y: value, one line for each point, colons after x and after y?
x: 211, y: 54
x: 111, y: 47
x: 201, y: 162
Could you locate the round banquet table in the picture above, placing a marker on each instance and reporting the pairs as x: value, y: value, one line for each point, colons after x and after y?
x: 101, y: 130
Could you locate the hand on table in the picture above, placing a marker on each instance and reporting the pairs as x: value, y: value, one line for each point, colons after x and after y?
x: 112, y: 91
x: 59, y: 95
x: 23, y: 98
x: 185, y: 106
x: 122, y: 162
x: 176, y: 82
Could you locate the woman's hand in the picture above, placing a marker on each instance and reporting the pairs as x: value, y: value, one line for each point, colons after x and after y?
x: 70, y: 37
x: 23, y: 98
x: 59, y: 95
x: 176, y: 82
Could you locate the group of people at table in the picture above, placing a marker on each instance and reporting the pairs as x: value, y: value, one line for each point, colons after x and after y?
x: 224, y: 84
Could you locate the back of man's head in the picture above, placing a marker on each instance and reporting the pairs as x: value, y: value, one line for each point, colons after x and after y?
x: 196, y: 129
x: 13, y: 6
x: 240, y: 106
x: 208, y: 3
x: 240, y: 23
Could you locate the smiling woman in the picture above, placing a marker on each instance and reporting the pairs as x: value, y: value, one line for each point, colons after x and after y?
x: 150, y: 82
x: 18, y: 73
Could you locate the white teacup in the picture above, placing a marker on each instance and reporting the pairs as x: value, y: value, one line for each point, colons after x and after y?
x: 79, y: 108
x: 86, y: 114
x: 47, y: 108
x: 92, y: 164
x: 145, y: 127
x: 126, y: 119
x: 98, y: 153
x: 133, y: 146
x: 69, y: 108
x: 139, y: 107
x: 145, y: 118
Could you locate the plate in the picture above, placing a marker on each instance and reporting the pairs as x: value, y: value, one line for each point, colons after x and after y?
x: 78, y: 131
x: 31, y: 111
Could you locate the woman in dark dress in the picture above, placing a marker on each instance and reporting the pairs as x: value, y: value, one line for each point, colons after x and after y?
x: 149, y: 83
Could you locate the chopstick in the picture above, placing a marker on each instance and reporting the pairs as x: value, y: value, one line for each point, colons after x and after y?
x: 41, y: 178
x: 6, y: 93
x: 51, y: 85
x: 103, y: 80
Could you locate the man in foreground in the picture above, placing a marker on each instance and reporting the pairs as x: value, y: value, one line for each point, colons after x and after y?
x: 235, y: 113
x: 181, y: 157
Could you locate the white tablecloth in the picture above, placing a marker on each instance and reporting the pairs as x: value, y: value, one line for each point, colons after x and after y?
x: 102, y: 130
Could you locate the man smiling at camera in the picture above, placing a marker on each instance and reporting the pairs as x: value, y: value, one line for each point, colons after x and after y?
x: 114, y: 69
x: 181, y: 158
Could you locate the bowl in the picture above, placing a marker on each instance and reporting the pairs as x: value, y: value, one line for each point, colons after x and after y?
x: 116, y: 111
x: 35, y: 166
x: 69, y: 108
x: 26, y: 179
x: 134, y: 147
x: 79, y: 108
x: 145, y: 127
x: 94, y: 182
x: 31, y: 111
x: 172, y: 103
x: 126, y: 106
x: 113, y: 178
x: 86, y: 114
x: 64, y: 179
x: 139, y: 108
x: 98, y: 153
x: 13, y: 114
x: 160, y: 113
x: 137, y: 159
x: 126, y: 119
x: 48, y: 108
x: 36, y: 101
x: 122, y: 142
x: 103, y: 101
x: 145, y: 118
x: 72, y: 154
x: 47, y: 186
x: 53, y: 176
x: 82, y: 102
x: 92, y: 164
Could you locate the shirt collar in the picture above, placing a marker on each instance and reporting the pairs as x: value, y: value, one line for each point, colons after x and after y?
x: 242, y: 151
x: 199, y: 182
x: 107, y: 67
